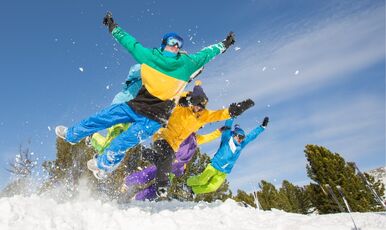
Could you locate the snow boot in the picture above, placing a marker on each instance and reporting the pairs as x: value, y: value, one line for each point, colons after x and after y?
x: 98, y: 173
x: 88, y: 141
x: 162, y: 192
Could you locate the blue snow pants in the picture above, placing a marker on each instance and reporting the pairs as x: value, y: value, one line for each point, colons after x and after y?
x: 141, y: 129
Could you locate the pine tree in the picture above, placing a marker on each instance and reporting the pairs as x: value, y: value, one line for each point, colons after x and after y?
x: 21, y: 169
x: 68, y: 167
x: 71, y: 164
x: 268, y: 196
x: 325, y: 167
x: 112, y: 186
x: 245, y: 198
x: 297, y: 198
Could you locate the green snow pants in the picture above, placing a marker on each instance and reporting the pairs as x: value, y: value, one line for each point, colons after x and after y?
x: 99, y: 142
x: 208, y: 181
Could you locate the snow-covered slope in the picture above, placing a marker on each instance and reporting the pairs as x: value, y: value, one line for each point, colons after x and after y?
x: 38, y: 212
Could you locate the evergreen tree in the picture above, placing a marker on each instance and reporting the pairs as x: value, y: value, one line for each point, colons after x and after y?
x: 21, y: 169
x: 71, y: 164
x: 68, y: 167
x: 112, y: 186
x: 297, y: 198
x: 245, y: 198
x: 325, y: 167
x: 268, y: 196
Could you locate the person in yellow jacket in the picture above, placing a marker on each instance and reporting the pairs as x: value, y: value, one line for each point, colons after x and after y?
x: 140, y: 183
x: 188, y: 117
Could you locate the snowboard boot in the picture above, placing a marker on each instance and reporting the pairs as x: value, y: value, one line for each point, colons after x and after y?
x: 61, y: 131
x: 162, y: 194
x: 98, y: 173
x: 88, y: 141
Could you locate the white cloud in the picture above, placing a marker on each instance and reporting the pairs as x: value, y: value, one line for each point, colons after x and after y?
x: 329, y: 54
x: 325, y: 55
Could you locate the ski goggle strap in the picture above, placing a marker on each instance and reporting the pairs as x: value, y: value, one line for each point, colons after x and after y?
x: 172, y: 41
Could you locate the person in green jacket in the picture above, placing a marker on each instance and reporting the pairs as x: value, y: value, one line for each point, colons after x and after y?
x: 165, y: 72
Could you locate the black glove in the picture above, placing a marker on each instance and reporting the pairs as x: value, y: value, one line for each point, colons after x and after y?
x: 109, y: 22
x: 224, y: 128
x: 229, y: 40
x: 265, y: 122
x: 235, y: 109
x: 185, y: 101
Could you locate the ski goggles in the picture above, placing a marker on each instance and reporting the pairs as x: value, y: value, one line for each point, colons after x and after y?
x: 240, y: 136
x: 173, y: 41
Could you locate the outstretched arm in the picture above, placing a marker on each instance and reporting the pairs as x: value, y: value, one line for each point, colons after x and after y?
x: 208, y: 53
x: 255, y: 132
x: 140, y: 53
x: 209, y: 116
x: 202, y: 139
x: 235, y: 109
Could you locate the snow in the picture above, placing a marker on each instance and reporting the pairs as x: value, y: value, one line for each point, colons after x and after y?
x: 84, y: 212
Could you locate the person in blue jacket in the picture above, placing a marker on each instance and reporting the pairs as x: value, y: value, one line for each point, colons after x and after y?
x: 131, y: 87
x: 232, y: 143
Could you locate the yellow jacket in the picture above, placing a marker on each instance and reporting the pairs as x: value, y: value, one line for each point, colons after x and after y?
x: 183, y: 122
x: 202, y: 139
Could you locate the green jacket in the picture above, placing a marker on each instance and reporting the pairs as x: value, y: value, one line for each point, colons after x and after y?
x: 163, y: 77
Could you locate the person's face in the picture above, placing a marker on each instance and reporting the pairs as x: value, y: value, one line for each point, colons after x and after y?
x: 173, y: 49
x: 238, y: 138
x: 197, y: 108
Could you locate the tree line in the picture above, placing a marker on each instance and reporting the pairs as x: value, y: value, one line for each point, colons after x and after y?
x: 328, y: 171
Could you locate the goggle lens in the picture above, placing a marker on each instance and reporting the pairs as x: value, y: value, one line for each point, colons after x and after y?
x: 171, y: 41
x: 241, y: 137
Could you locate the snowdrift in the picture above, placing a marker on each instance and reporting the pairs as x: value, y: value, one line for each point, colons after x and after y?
x: 84, y: 212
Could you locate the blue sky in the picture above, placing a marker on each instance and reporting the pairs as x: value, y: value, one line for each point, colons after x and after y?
x: 316, y: 68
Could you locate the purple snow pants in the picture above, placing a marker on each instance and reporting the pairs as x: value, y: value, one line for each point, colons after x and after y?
x: 183, y: 156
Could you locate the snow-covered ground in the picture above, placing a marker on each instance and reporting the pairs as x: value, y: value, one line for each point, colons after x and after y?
x: 84, y: 212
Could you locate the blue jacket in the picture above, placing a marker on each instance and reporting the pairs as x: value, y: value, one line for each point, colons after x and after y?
x: 132, y: 85
x: 229, y: 151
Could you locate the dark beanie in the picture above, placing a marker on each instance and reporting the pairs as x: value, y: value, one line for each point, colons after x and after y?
x: 198, y: 97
